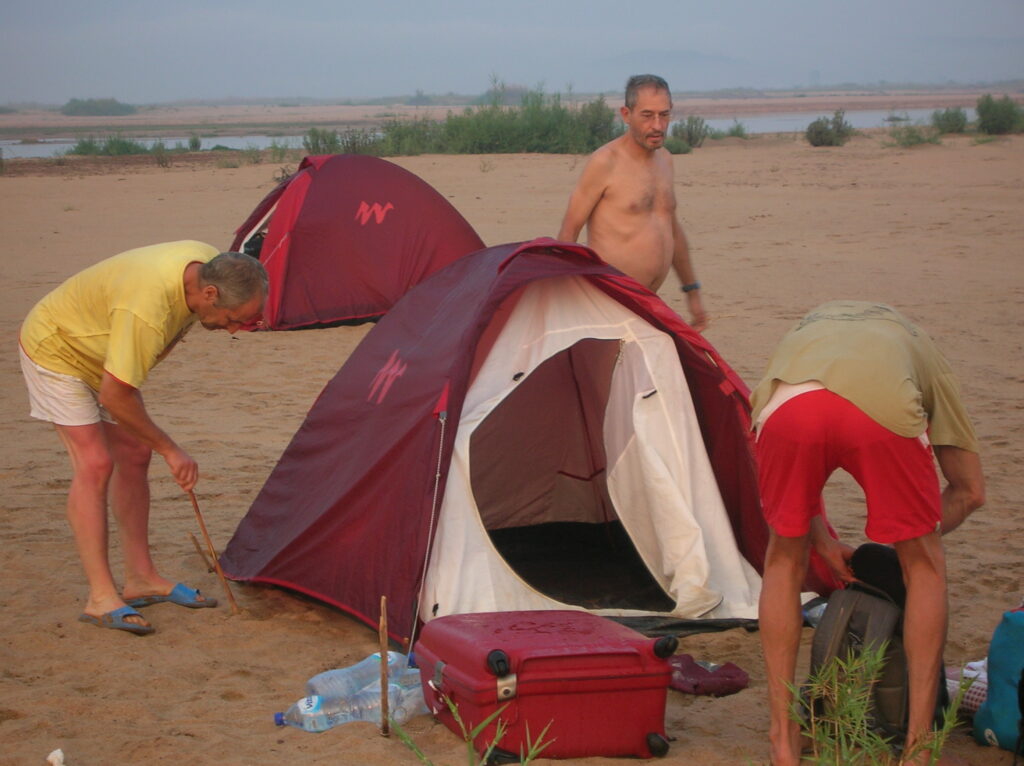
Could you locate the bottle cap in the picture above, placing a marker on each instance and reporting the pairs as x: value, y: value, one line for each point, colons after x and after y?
x: 279, y: 719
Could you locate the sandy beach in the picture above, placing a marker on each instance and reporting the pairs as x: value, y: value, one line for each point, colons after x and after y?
x: 775, y: 228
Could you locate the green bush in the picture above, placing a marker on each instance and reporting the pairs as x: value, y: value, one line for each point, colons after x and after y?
x: 692, y: 132
x: 96, y: 107
x: 112, y: 146
x: 736, y: 130
x: 279, y: 151
x: 195, y: 143
x: 159, y: 152
x: 825, y: 131
x: 997, y: 117
x: 677, y: 145
x: 321, y: 141
x: 952, y: 120
x: 912, y: 135
x: 834, y: 710
x: 541, y: 124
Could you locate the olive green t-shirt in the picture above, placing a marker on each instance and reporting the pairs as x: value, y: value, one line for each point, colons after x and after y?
x: 874, y: 357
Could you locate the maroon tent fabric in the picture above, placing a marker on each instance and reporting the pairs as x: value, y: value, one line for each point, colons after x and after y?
x: 349, y: 235
x: 346, y: 515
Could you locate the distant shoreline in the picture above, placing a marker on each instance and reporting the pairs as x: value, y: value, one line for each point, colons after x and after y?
x: 240, y: 120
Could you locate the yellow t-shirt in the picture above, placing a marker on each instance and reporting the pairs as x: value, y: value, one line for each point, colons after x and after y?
x: 120, y: 315
x: 874, y: 357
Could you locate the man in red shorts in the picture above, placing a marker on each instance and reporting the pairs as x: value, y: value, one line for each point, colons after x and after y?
x: 857, y: 386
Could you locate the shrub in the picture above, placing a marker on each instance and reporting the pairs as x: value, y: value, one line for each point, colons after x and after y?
x: 677, y: 145
x: 278, y: 151
x: 834, y: 713
x: 3, y: 165
x: 692, y: 132
x: 736, y: 130
x: 116, y: 146
x: 253, y: 154
x: 321, y: 141
x: 159, y: 152
x: 195, y: 143
x: 96, y: 107
x: 996, y: 117
x: 952, y: 120
x: 834, y: 131
x: 112, y: 146
x: 912, y: 135
x: 354, y: 141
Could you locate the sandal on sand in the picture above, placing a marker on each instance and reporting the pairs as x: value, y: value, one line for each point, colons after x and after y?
x: 115, y: 621
x: 182, y: 595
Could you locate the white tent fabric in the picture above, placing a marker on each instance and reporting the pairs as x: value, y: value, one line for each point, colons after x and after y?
x: 659, y: 479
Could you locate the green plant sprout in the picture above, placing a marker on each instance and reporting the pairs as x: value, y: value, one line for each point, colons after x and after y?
x: 834, y: 710
x: 534, y: 747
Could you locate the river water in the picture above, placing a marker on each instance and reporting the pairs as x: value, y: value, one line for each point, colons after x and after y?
x: 785, y: 122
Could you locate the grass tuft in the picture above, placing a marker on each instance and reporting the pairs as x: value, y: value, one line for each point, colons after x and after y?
x: 834, y: 710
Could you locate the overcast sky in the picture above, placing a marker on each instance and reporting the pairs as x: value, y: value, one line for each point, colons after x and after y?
x: 141, y: 52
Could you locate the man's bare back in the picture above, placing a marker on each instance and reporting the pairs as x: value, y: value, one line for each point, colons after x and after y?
x: 625, y: 197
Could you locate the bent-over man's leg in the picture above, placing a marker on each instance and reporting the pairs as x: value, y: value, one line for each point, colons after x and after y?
x: 924, y: 627
x: 129, y: 500
x: 780, y: 622
x: 92, y: 466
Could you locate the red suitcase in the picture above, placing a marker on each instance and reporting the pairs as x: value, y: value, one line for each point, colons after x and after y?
x: 600, y: 685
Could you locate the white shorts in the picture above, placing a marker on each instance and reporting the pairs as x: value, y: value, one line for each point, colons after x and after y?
x: 63, y: 400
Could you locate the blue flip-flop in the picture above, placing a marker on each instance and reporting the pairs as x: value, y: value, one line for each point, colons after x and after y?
x: 182, y: 595
x: 114, y: 620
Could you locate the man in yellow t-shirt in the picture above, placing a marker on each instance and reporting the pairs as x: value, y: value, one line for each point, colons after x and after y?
x: 858, y: 386
x: 86, y: 348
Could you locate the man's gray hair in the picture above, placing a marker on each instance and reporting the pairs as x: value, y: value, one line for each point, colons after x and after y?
x: 638, y: 81
x: 238, y: 278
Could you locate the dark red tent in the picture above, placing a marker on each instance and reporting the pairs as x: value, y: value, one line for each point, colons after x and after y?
x: 346, y: 236
x: 525, y: 398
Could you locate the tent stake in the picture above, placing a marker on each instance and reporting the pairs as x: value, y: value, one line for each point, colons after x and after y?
x: 213, y: 553
x: 382, y: 635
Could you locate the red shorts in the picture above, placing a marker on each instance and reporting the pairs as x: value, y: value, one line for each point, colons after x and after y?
x: 804, y: 441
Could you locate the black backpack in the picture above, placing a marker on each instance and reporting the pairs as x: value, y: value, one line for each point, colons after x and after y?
x: 868, y: 615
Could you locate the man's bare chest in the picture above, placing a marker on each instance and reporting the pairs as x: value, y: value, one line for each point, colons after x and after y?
x: 643, y: 193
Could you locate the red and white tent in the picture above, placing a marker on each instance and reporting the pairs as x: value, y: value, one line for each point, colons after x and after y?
x: 346, y: 236
x: 516, y: 425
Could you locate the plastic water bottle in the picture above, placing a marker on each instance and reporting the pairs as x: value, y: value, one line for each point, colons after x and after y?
x: 316, y: 714
x: 344, y: 682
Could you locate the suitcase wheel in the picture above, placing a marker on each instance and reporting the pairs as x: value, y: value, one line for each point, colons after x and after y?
x: 498, y: 663
x: 657, y: 744
x: 666, y: 646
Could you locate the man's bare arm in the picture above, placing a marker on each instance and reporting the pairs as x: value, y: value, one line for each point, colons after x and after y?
x: 125, y: 404
x: 965, y: 491
x: 687, y: 276
x: 584, y: 198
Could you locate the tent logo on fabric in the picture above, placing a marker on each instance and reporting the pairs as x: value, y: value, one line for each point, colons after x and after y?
x: 385, y: 377
x: 365, y: 211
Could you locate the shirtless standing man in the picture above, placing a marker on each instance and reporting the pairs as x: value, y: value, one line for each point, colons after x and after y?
x: 626, y: 199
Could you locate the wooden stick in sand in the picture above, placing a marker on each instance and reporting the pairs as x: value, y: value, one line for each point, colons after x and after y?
x: 382, y: 635
x: 202, y: 553
x: 213, y: 553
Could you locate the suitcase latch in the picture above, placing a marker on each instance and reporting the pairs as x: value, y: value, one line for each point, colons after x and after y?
x: 506, y: 687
